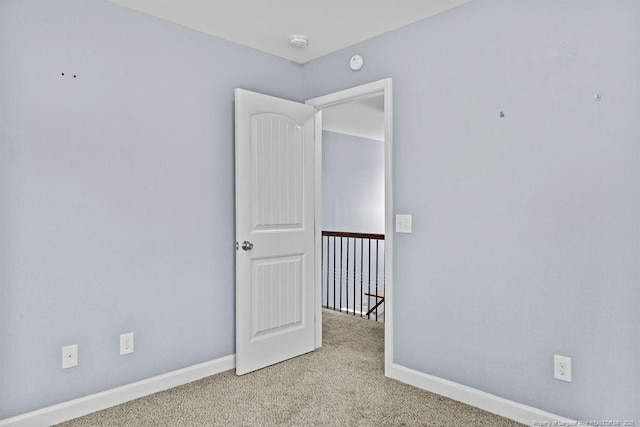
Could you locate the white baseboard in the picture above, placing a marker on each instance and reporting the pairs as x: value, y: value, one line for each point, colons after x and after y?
x: 106, y: 399
x: 480, y: 399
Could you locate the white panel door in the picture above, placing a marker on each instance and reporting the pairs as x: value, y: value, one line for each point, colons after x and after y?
x: 274, y: 229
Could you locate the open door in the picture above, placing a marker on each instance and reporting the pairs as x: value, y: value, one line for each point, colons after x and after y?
x: 275, y: 257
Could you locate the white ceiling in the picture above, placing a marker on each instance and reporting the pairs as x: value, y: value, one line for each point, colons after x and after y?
x: 266, y: 25
x: 364, y: 118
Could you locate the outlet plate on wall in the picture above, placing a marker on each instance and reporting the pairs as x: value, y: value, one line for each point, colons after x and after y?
x: 562, y: 368
x: 69, y: 356
x: 126, y: 343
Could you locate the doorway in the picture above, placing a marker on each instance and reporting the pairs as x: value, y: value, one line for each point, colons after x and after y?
x: 368, y: 95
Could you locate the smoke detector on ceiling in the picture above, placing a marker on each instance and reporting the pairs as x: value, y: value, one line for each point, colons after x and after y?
x: 298, y: 40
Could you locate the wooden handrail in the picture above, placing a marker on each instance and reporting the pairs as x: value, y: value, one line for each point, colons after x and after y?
x: 353, y: 235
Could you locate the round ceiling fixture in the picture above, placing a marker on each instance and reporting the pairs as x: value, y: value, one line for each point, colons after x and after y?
x: 298, y: 40
x: 356, y: 62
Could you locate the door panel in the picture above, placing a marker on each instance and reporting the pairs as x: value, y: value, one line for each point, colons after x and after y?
x: 277, y: 142
x: 277, y: 283
x: 275, y: 196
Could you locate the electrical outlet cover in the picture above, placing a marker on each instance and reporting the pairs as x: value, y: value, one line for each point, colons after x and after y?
x: 126, y: 343
x: 562, y: 368
x: 69, y: 356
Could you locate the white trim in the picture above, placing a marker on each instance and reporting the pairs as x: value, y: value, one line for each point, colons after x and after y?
x: 364, y: 91
x: 318, y: 225
x: 96, y: 402
x: 471, y: 396
x: 389, y: 236
x: 359, y: 92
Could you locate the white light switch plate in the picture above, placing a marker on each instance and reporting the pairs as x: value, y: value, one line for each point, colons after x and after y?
x: 403, y: 223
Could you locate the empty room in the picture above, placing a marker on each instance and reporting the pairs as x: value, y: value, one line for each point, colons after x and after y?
x: 169, y: 182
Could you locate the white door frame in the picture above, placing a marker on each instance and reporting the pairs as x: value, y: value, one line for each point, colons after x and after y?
x: 359, y: 92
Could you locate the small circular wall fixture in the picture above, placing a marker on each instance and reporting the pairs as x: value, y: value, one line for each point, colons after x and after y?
x: 356, y: 62
x: 299, y: 41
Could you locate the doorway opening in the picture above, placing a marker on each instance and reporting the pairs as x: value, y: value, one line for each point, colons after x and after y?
x: 353, y: 207
x: 354, y: 270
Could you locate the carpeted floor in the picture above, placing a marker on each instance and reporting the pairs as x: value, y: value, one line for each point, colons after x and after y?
x: 341, y: 383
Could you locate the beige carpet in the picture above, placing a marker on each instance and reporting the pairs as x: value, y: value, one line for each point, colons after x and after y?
x: 342, y: 383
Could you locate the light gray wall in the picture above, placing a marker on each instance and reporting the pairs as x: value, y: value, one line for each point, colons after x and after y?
x: 352, y: 183
x: 525, y: 228
x: 117, y: 194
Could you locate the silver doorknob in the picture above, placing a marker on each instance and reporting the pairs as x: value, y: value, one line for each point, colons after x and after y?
x: 247, y: 246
